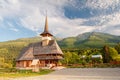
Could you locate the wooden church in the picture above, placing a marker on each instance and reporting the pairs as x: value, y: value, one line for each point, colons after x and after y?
x: 45, y: 53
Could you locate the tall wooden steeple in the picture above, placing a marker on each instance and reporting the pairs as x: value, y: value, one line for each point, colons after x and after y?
x: 46, y: 35
x: 46, y: 31
x: 47, y: 52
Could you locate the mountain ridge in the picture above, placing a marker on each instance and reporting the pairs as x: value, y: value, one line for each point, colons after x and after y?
x: 85, y: 40
x: 91, y: 39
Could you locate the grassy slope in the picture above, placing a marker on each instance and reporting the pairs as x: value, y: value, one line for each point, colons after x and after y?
x: 94, y: 40
x: 86, y: 40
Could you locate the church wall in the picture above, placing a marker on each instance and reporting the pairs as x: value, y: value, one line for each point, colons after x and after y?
x: 23, y: 64
x: 42, y: 63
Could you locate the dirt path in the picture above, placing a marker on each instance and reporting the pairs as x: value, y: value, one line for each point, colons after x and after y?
x: 79, y: 74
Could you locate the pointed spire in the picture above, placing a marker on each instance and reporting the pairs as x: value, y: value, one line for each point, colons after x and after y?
x: 46, y: 25
x: 46, y: 31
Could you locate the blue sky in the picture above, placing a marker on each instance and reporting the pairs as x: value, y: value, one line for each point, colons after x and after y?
x: 26, y: 18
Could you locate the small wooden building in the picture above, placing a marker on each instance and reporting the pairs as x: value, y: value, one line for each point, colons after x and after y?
x: 41, y: 54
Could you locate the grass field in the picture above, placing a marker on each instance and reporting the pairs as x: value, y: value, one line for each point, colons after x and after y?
x: 12, y: 72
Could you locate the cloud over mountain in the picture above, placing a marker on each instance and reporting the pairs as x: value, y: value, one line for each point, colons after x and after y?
x: 65, y: 17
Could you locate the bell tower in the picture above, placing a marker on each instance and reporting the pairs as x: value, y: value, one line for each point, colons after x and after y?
x: 46, y: 35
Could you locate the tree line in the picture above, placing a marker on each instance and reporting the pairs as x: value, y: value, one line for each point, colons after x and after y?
x: 84, y: 56
x: 10, y: 50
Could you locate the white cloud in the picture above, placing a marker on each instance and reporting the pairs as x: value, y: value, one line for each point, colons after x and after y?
x: 32, y: 21
x: 14, y: 29
x: 107, y: 23
x: 31, y: 15
x: 11, y: 27
x: 1, y: 19
x: 9, y: 8
x: 115, y: 32
x: 101, y: 4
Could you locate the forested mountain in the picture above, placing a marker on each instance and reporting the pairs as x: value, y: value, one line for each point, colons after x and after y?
x: 9, y: 50
x: 90, y: 40
x: 85, y: 40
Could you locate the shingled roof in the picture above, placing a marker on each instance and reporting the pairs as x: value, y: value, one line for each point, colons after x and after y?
x: 35, y: 49
x: 51, y: 48
x: 26, y: 53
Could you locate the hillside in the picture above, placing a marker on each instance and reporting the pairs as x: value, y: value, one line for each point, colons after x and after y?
x: 90, y: 40
x: 9, y: 50
x: 85, y: 40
